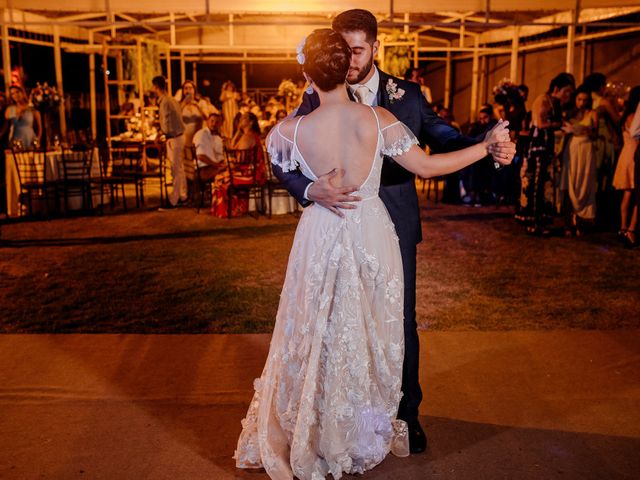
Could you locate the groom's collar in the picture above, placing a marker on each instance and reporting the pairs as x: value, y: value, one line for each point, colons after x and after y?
x: 372, y: 84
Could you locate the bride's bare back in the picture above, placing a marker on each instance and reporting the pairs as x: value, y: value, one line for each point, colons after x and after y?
x: 342, y: 136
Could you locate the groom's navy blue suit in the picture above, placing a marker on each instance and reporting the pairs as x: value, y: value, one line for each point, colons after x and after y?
x: 398, y: 192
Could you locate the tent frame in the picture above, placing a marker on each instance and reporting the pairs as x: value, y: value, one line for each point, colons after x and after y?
x: 446, y: 36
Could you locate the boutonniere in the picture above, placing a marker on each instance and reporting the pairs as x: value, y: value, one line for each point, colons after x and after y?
x: 393, y: 91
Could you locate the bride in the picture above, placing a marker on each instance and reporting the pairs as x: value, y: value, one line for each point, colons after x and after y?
x: 329, y: 392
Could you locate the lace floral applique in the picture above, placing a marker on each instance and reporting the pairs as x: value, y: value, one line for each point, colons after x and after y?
x: 398, y: 139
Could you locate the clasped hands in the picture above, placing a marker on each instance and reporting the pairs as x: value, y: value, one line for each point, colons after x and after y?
x: 500, y: 146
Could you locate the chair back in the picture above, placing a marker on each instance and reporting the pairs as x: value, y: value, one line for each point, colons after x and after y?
x: 192, y: 155
x: 271, y: 178
x: 243, y: 165
x: 188, y: 163
x: 155, y: 155
x: 31, y: 166
x: 126, y: 158
x: 75, y: 163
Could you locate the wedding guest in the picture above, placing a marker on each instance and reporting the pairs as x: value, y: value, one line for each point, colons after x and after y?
x: 623, y: 178
x: 192, y: 114
x: 578, y: 180
x: 246, y: 137
x: 415, y: 75
x: 477, y: 177
x: 634, y: 132
x: 173, y: 128
x: 608, y: 119
x: 209, y: 148
x: 229, y: 98
x: 536, y: 202
x: 23, y: 120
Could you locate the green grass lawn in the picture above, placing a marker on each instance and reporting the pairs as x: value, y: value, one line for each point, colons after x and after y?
x: 180, y: 272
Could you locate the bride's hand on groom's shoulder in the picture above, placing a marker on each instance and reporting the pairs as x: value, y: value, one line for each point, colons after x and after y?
x: 325, y: 193
x: 499, y: 144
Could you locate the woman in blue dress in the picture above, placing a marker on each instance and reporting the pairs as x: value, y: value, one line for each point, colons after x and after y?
x: 23, y: 120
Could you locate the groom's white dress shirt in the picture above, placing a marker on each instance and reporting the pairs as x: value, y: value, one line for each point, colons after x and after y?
x: 370, y: 89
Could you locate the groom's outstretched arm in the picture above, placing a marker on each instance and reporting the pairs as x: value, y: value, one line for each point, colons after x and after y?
x: 443, y: 138
x: 436, y: 133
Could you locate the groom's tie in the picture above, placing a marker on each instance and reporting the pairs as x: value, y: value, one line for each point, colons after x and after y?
x: 361, y: 92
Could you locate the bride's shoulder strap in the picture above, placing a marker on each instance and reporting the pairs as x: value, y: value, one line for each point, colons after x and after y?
x: 375, y: 114
x: 295, y: 131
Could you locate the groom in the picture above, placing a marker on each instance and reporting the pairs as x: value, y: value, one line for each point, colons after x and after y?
x: 369, y: 85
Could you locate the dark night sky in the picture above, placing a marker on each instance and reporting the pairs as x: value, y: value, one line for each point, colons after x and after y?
x: 38, y: 65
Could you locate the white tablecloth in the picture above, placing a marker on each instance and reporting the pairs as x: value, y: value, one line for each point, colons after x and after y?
x: 281, y: 205
x: 51, y: 164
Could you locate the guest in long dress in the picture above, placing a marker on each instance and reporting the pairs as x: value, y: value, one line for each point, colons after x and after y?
x: 192, y: 114
x: 193, y: 117
x: 634, y: 132
x: 536, y: 199
x: 608, y: 119
x: 623, y: 178
x: 229, y: 98
x: 578, y: 179
x: 24, y: 121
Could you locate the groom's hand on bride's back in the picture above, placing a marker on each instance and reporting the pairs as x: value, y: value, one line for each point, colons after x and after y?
x: 325, y: 192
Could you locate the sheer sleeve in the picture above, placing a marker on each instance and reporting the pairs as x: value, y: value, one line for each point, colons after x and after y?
x: 398, y: 139
x: 281, y: 151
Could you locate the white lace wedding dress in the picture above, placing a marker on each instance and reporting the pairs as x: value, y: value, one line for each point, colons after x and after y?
x: 330, y: 388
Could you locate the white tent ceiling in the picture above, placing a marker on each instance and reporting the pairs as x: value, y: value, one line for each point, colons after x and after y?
x: 245, y: 28
x: 308, y: 6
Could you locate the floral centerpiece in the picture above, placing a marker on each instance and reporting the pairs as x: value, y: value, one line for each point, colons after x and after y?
x: 287, y: 88
x: 136, y: 127
x: 45, y: 97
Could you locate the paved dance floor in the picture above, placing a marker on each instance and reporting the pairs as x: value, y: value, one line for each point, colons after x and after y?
x: 498, y: 405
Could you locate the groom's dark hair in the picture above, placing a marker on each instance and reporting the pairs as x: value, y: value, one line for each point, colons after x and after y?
x: 357, y: 20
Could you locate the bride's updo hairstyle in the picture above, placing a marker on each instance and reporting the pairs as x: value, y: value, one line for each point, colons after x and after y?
x: 327, y: 58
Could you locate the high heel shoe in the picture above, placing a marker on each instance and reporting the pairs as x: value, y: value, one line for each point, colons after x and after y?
x: 630, y: 240
x: 622, y: 234
x: 400, y: 439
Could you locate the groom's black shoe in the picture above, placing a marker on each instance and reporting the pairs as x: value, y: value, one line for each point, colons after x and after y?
x: 417, y: 437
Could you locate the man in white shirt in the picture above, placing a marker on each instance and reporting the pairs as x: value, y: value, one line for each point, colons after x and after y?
x: 209, y: 148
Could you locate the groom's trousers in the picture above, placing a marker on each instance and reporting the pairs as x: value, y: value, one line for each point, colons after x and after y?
x: 401, y: 201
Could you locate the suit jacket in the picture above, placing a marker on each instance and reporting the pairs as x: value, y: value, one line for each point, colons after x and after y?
x: 397, y: 185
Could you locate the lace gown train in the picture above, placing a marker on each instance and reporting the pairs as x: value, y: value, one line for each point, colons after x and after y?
x: 330, y: 388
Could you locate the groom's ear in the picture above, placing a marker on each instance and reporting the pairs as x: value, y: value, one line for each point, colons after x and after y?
x: 374, y: 48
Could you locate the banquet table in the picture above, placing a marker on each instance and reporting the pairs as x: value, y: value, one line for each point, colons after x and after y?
x: 52, y: 158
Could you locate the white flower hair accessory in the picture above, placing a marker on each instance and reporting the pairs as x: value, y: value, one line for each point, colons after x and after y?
x: 393, y: 91
x: 299, y: 49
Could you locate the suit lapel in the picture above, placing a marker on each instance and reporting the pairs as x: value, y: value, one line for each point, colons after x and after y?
x: 382, y: 97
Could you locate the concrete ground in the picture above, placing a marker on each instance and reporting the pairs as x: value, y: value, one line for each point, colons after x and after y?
x: 498, y: 405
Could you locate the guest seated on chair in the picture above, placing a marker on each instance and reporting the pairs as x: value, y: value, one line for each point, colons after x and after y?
x: 209, y: 150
